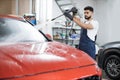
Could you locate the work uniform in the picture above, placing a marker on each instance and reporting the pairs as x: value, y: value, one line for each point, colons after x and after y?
x: 87, y: 38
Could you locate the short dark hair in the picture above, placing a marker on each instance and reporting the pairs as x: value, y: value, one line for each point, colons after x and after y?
x: 89, y: 8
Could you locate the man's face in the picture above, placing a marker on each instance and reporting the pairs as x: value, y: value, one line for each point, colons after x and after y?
x: 88, y: 14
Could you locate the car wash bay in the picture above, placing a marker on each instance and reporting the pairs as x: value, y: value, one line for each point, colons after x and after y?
x: 46, y: 16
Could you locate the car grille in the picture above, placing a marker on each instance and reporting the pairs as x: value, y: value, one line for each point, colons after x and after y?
x: 91, y: 78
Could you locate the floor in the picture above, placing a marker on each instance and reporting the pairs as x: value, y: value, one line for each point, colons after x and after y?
x: 104, y: 76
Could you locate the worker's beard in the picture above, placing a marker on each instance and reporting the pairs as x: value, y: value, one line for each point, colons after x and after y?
x: 87, y: 17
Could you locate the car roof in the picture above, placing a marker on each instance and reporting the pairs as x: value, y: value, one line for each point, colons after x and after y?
x: 17, y: 17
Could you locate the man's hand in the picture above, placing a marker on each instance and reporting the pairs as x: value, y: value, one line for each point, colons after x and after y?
x: 66, y: 13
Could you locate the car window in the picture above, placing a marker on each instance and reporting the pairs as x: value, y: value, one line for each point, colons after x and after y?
x: 15, y: 31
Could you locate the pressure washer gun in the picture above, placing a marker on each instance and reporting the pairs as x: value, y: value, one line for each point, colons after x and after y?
x: 74, y: 10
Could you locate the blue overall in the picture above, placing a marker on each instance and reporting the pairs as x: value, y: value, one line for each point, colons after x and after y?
x: 86, y: 44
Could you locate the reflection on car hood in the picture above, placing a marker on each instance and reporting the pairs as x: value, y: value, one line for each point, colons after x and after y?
x: 36, y: 58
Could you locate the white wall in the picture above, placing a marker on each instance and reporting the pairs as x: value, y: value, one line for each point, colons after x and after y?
x: 108, y: 16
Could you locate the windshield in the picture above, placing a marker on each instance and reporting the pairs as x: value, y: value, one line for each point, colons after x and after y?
x: 17, y: 31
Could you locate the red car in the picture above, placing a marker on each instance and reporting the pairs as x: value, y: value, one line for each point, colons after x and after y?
x: 27, y: 54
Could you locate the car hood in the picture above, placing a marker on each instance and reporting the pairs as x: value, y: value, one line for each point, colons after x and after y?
x: 20, y: 59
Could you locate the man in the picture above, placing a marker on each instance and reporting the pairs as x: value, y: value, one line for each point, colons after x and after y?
x: 89, y: 30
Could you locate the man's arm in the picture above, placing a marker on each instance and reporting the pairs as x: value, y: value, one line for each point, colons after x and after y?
x: 81, y: 24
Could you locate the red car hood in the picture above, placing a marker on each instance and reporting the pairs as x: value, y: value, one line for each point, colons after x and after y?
x: 21, y: 59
